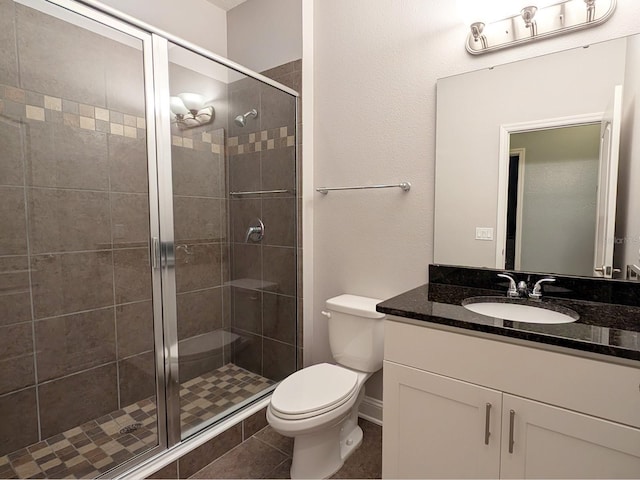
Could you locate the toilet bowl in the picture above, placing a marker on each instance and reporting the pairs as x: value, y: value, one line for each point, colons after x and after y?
x: 318, y: 405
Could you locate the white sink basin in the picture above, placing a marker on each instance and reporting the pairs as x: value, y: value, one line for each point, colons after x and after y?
x: 519, y: 311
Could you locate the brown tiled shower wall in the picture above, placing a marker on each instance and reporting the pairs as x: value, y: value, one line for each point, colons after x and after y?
x: 262, y: 156
x: 290, y: 74
x: 74, y: 270
x: 263, y: 313
x: 200, y: 226
x: 223, y: 282
x: 76, y: 316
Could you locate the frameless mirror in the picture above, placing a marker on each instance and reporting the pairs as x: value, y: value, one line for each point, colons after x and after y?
x: 536, y: 164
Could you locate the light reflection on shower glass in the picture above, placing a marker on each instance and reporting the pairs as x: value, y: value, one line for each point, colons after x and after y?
x: 236, y: 288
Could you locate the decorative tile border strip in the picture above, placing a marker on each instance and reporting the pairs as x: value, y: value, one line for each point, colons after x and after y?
x: 212, y: 141
x: 263, y: 140
x: 248, y: 143
x: 45, y: 108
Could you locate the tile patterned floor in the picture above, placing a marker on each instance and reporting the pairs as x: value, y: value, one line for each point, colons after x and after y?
x: 99, y: 445
x: 204, y: 397
x: 267, y: 454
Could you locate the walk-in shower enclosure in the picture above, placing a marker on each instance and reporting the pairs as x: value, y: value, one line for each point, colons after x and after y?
x: 148, y: 255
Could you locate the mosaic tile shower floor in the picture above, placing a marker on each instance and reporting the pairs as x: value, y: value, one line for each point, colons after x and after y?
x: 99, y: 445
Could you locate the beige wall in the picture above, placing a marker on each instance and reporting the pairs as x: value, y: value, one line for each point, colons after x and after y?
x: 375, y: 73
x: 262, y: 34
x: 196, y: 21
x: 628, y: 219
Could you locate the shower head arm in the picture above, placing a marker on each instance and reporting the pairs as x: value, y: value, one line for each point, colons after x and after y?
x: 240, y: 120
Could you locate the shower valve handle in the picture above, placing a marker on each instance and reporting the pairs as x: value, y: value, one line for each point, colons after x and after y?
x: 255, y: 232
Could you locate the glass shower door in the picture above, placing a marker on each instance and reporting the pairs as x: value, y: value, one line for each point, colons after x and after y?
x: 122, y: 260
x: 233, y: 173
x: 78, y: 384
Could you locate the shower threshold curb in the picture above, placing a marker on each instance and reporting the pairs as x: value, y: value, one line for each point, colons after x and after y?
x: 152, y: 465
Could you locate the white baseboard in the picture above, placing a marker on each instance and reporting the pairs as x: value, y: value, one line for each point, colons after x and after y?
x: 371, y: 409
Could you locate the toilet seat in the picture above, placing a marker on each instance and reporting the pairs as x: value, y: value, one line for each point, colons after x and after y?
x: 313, y: 391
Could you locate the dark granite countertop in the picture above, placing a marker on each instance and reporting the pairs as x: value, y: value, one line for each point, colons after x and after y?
x: 603, y: 329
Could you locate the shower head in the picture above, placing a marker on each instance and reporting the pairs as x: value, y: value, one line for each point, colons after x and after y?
x: 241, y: 120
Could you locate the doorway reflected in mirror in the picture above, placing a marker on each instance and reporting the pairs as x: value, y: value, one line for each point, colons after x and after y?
x: 552, y: 199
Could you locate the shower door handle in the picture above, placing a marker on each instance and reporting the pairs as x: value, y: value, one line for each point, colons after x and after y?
x: 155, y: 252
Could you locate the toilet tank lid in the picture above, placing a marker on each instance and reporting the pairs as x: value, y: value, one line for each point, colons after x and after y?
x: 355, y: 305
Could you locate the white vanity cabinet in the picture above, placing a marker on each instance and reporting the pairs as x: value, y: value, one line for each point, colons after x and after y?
x: 552, y: 442
x: 434, y: 426
x: 455, y: 407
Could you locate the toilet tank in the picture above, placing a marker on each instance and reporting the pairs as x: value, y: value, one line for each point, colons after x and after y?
x: 356, y: 332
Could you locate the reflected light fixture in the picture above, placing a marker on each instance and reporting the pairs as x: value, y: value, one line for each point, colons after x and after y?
x: 190, y: 110
x: 492, y: 27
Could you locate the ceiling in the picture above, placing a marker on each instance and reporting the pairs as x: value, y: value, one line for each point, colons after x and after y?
x: 226, y: 4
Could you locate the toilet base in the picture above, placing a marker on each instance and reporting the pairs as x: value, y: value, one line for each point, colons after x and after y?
x: 350, y: 444
x: 322, y: 454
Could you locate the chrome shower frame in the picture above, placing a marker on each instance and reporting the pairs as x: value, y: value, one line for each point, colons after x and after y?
x: 155, y: 50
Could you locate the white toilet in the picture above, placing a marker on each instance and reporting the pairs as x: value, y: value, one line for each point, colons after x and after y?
x: 318, y: 405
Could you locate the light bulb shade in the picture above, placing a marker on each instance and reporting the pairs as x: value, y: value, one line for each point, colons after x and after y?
x: 190, y: 122
x: 476, y: 29
x: 528, y: 13
x: 177, y: 107
x: 192, y: 101
x: 203, y: 118
x: 195, y: 118
x: 205, y: 115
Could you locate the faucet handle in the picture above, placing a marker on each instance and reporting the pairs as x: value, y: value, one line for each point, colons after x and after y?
x: 537, y: 288
x: 255, y: 232
x: 513, y: 288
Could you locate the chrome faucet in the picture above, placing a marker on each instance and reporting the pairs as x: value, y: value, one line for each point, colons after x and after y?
x: 515, y: 290
x: 536, y: 293
x: 521, y: 289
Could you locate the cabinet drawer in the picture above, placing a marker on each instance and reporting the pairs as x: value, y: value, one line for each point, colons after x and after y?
x: 593, y: 387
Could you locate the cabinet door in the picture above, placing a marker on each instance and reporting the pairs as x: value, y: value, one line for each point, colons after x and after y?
x: 551, y: 442
x: 434, y: 426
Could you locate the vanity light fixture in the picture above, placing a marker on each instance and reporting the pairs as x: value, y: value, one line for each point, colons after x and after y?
x: 190, y: 110
x: 476, y: 31
x: 535, y: 22
x: 527, y: 15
